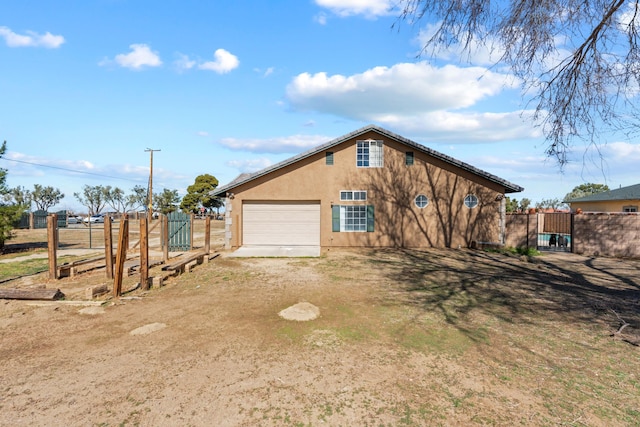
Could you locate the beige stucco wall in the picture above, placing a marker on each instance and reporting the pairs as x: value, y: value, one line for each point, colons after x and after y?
x: 445, y: 222
x: 608, y: 206
x: 607, y: 234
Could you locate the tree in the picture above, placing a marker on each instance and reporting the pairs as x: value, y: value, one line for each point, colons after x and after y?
x: 116, y: 198
x: 579, y: 59
x: 138, y: 197
x: 9, y: 212
x: 512, y: 205
x: 166, y: 202
x: 198, y: 194
x: 93, y: 197
x: 554, y: 204
x: 45, y: 197
x: 583, y: 190
x: 20, y: 196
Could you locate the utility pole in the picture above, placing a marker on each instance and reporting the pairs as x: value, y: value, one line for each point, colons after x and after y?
x: 150, y: 205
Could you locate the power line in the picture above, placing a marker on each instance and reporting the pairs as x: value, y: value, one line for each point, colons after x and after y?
x: 68, y: 170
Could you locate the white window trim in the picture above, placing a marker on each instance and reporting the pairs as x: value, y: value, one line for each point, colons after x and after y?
x: 361, y: 225
x: 377, y: 158
x: 343, y: 194
x: 415, y: 201
x: 477, y: 201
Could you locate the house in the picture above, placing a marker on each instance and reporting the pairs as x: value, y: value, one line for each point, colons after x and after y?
x: 369, y: 188
x: 624, y: 199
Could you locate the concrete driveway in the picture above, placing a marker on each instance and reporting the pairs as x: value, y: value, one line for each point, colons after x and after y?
x: 276, y: 251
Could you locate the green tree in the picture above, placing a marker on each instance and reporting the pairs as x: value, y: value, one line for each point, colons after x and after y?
x: 511, y: 205
x: 138, y: 197
x: 19, y: 196
x: 579, y: 60
x: 583, y: 190
x: 116, y: 198
x: 93, y: 197
x: 166, y: 202
x: 554, y: 204
x: 198, y: 194
x: 45, y: 197
x: 9, y: 212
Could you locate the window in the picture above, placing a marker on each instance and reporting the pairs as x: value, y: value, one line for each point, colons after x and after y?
x: 353, y: 195
x: 369, y: 154
x: 471, y: 201
x: 422, y: 201
x: 408, y: 158
x: 629, y: 209
x: 329, y: 158
x: 352, y: 218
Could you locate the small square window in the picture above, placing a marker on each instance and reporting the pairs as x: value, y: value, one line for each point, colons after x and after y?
x: 629, y: 209
x: 408, y: 158
x: 329, y: 158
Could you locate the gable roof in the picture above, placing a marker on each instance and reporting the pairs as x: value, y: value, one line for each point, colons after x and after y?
x: 631, y: 192
x: 244, y: 178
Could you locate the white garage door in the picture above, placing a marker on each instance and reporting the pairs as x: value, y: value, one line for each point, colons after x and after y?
x: 281, y: 223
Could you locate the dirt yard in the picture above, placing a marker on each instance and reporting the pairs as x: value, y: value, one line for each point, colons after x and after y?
x: 437, y: 337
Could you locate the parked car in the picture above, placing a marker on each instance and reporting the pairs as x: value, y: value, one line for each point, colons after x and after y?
x: 93, y: 219
x: 73, y: 220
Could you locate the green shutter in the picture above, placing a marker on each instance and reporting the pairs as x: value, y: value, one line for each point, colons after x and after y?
x: 370, y: 218
x: 335, y: 217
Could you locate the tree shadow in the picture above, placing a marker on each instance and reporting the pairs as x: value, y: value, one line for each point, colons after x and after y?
x: 457, y: 284
x: 444, y: 222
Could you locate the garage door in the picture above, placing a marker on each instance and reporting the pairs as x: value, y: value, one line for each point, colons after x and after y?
x: 281, y: 223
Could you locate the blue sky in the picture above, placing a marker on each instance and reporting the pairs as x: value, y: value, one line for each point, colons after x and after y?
x: 230, y: 87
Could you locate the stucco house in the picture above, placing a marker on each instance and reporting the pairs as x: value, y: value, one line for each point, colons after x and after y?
x: 369, y: 188
x: 624, y: 199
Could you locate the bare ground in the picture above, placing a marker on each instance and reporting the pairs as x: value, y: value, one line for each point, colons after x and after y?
x: 437, y: 337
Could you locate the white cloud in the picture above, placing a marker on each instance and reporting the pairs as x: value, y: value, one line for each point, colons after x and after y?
x: 286, y: 144
x: 367, y: 8
x: 250, y: 165
x: 32, y: 39
x: 321, y: 18
x: 415, y: 99
x: 184, y: 63
x: 203, y: 133
x: 140, y: 56
x: 223, y: 63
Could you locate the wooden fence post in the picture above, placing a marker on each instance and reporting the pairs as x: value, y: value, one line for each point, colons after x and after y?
x: 164, y: 235
x: 120, y: 257
x: 207, y: 235
x: 144, y: 254
x: 108, y: 247
x: 52, y: 245
x: 32, y: 221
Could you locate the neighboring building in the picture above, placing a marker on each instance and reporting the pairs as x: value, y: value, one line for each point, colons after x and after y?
x: 624, y: 199
x: 370, y: 188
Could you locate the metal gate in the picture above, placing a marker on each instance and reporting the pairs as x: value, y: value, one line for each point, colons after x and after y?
x: 555, y: 232
x: 40, y: 219
x: 179, y: 225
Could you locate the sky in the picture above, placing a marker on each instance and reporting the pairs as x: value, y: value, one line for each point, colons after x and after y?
x: 87, y: 88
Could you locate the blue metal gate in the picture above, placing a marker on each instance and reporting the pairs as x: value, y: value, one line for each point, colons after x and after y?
x: 179, y: 225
